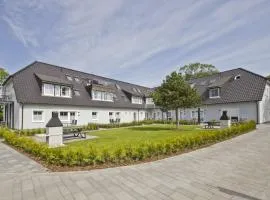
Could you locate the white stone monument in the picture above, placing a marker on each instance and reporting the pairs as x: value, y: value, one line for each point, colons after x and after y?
x: 225, y: 121
x: 54, y: 131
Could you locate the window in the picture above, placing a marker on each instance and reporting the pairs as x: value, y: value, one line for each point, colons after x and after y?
x: 110, y: 115
x: 63, y: 116
x: 102, y: 96
x: 214, y: 93
x: 37, y: 116
x: 94, y: 115
x: 117, y: 115
x: 57, y: 91
x: 48, y: 89
x: 65, y: 91
x: 136, y: 100
x: 72, y: 116
x: 69, y: 77
x: 149, y: 101
x: 77, y: 93
x: 77, y: 79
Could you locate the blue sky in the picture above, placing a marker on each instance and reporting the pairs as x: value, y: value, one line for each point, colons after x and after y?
x: 136, y: 41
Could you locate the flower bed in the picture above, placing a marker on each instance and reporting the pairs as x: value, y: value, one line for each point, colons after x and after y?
x: 126, y: 153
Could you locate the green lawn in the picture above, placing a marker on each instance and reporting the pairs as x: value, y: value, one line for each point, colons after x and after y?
x: 134, y: 135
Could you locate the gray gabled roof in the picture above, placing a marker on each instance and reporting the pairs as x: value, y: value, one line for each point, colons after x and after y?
x: 28, y: 88
x: 249, y: 87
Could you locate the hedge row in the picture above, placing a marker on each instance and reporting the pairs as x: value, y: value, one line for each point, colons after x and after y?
x: 92, y: 126
x: 127, y: 153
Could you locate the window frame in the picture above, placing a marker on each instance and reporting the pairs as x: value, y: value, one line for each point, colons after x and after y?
x: 42, y: 116
x: 68, y: 116
x: 102, y: 96
x: 96, y: 118
x: 69, y: 91
x: 44, y: 89
x: 211, y: 92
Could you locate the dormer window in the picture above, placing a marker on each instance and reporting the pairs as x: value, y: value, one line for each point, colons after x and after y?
x: 214, y: 93
x: 149, y: 101
x: 102, y: 96
x: 65, y: 91
x: 69, y: 77
x: 136, y: 100
x: 56, y: 90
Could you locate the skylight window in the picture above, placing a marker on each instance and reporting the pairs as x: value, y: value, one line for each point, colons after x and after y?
x: 69, y: 77
x: 77, y: 92
x: 139, y: 90
x: 77, y: 79
x: 237, y: 77
x: 117, y: 86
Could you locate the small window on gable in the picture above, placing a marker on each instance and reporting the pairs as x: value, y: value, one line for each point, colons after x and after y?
x: 214, y: 93
x: 237, y: 77
x: 69, y: 77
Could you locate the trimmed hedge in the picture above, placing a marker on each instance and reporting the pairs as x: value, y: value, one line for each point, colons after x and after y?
x: 92, y: 126
x: 126, y: 153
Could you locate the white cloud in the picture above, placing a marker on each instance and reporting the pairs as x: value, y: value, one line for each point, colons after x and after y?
x: 105, y: 36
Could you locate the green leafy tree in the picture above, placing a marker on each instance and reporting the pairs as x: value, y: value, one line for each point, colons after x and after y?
x: 197, y: 70
x: 3, y: 75
x: 175, y: 93
x: 268, y: 77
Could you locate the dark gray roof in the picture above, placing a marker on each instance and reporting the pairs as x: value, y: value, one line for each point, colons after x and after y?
x: 52, y: 79
x: 249, y: 87
x: 28, y: 90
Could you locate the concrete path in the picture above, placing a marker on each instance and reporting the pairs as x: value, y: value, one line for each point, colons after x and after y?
x: 238, y: 169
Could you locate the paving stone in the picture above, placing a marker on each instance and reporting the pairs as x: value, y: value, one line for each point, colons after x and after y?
x: 237, y: 169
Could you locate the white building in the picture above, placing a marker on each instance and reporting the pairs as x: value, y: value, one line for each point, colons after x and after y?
x: 34, y: 92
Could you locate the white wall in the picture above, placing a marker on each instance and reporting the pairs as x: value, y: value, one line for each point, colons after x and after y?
x: 245, y: 110
x: 9, y: 90
x: 84, y: 114
x: 264, y: 106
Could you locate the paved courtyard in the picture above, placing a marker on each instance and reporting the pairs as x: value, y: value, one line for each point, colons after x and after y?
x: 237, y: 169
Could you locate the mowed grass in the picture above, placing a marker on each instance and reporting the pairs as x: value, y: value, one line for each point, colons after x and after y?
x: 134, y: 135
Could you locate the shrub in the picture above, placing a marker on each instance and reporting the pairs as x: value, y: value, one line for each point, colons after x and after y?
x: 68, y: 156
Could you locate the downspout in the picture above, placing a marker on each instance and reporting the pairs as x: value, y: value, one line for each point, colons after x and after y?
x: 22, y: 118
x: 258, y: 112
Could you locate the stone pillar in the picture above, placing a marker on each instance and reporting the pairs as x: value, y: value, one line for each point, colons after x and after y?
x: 225, y: 121
x: 54, y: 131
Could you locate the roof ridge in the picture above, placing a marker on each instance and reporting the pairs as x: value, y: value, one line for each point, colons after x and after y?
x: 238, y: 68
x: 103, y: 77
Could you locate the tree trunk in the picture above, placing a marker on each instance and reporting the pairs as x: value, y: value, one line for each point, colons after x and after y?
x: 177, y: 118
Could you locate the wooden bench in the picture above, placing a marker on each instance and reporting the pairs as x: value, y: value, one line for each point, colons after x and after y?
x: 74, y: 131
x: 210, y: 125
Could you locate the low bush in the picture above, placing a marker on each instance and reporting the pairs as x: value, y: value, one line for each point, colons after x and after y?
x: 125, y: 153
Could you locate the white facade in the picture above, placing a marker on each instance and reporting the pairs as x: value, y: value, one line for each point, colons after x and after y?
x: 20, y: 116
x: 83, y: 115
x: 264, y: 106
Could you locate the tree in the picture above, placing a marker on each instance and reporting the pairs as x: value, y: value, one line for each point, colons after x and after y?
x: 3, y: 75
x: 197, y: 70
x: 175, y: 93
x: 268, y: 77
